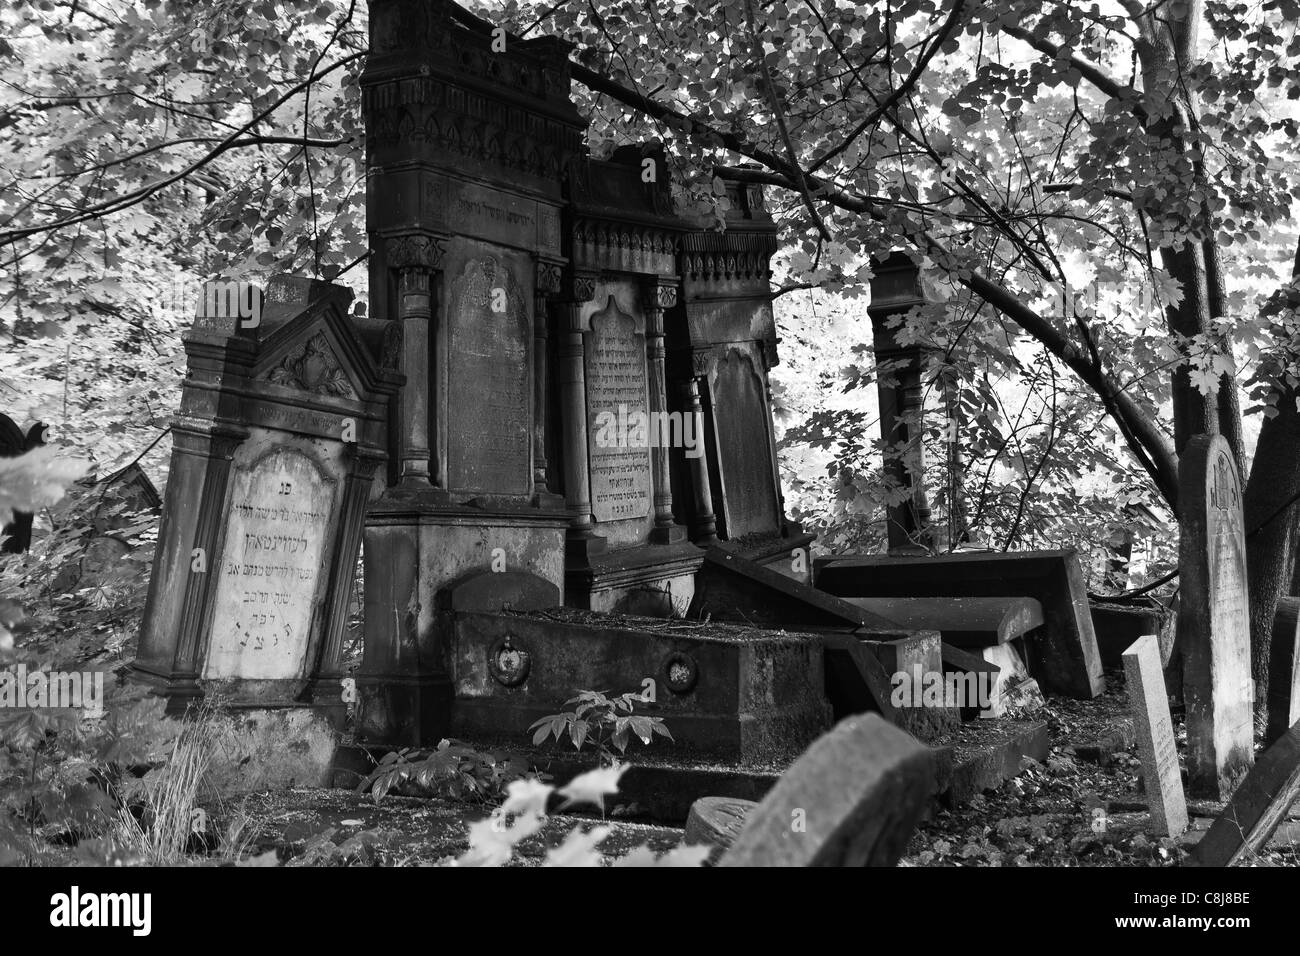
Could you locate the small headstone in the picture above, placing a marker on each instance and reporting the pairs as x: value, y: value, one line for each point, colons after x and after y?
x: 716, y: 821
x: 1283, y: 671
x: 1257, y: 808
x: 1155, y: 733
x: 1213, y: 619
x: 852, y: 799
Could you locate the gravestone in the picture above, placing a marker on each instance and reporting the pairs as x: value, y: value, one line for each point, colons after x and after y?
x: 722, y: 345
x: 1149, y: 700
x: 625, y: 550
x: 279, y: 434
x: 1284, y: 669
x: 853, y: 798
x: 467, y: 147
x: 1213, y: 619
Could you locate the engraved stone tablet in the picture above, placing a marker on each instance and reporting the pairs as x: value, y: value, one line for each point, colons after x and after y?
x: 490, y: 378
x: 1155, y: 731
x: 281, y: 509
x: 1213, y: 622
x: 618, y: 427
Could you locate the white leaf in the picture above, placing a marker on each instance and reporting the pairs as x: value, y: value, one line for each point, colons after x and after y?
x: 593, y: 786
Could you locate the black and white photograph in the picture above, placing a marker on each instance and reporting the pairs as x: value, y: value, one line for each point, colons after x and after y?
x: 514, y: 434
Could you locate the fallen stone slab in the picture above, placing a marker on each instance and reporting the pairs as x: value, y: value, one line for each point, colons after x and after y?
x: 1064, y: 659
x: 987, y: 754
x: 961, y: 621
x: 851, y: 799
x: 1257, y: 807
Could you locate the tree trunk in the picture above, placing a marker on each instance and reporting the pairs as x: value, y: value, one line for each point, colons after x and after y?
x: 1272, y: 523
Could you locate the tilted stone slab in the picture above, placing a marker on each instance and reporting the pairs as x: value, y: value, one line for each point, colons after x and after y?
x: 851, y: 799
x: 963, y: 622
x: 1257, y: 807
x: 1064, y: 658
x: 1284, y: 669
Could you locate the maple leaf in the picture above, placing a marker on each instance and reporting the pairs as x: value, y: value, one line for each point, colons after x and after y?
x: 578, y: 848
x: 593, y: 786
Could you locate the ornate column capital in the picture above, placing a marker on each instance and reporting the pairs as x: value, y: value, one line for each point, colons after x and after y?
x: 415, y: 251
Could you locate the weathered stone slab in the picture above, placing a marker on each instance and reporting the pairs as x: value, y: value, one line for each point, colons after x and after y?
x: 1284, y: 669
x: 743, y: 425
x: 275, y: 447
x: 912, y: 663
x: 1155, y: 732
x: 1213, y: 620
x: 281, y: 514
x: 728, y: 692
x: 716, y: 821
x: 614, y: 357
x: 489, y: 431
x: 989, y: 753
x: 963, y: 622
x: 1064, y: 659
x: 852, y: 799
x: 1257, y: 807
x: 729, y: 587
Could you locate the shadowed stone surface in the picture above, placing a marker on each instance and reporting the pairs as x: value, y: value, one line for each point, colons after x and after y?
x: 1284, y: 675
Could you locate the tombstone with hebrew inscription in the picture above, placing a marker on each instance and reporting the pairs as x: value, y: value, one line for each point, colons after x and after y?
x: 279, y: 435
x: 1213, y: 619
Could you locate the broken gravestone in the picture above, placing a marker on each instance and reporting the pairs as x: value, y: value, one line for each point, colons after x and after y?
x: 1063, y: 656
x: 1284, y: 675
x: 852, y: 799
x: 1213, y: 623
x: 716, y: 821
x: 1257, y: 807
x: 1155, y: 733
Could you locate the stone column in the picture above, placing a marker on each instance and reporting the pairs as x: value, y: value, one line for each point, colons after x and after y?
x: 663, y: 295
x: 901, y: 413
x: 573, y: 401
x: 415, y: 258
x: 706, y: 523
x: 547, y: 285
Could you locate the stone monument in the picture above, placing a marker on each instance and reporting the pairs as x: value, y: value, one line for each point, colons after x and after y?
x: 279, y: 434
x: 1213, y: 620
